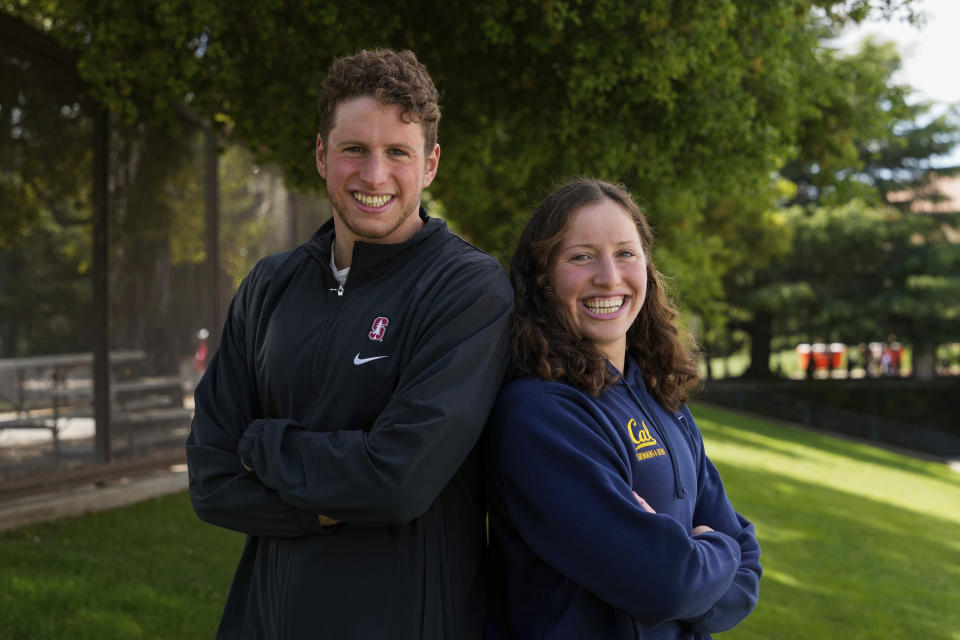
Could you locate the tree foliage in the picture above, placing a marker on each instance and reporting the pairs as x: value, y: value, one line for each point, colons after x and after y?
x: 868, y: 135
x: 684, y: 102
x: 850, y: 268
x: 868, y: 272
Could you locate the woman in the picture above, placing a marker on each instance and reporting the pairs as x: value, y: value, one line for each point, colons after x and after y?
x: 607, y: 519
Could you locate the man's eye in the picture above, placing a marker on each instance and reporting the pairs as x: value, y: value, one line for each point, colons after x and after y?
x: 353, y: 149
x: 400, y: 153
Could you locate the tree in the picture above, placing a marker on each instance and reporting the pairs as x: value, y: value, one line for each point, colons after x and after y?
x: 865, y: 141
x: 684, y: 102
x: 870, y: 136
x: 873, y: 272
x: 45, y: 211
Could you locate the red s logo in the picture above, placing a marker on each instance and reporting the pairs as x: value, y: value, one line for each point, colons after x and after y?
x: 379, y: 328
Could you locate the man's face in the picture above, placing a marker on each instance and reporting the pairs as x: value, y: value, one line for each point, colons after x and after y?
x: 376, y: 168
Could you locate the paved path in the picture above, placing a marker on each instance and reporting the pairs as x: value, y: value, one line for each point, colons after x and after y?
x: 90, y: 497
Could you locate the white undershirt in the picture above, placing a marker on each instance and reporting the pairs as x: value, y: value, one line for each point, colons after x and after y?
x: 339, y: 274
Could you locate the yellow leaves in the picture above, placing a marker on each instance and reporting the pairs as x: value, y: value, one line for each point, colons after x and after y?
x: 223, y: 119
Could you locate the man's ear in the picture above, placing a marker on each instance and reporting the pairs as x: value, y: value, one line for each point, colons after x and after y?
x: 433, y: 161
x: 321, y: 162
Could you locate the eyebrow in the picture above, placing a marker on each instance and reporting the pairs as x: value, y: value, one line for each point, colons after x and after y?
x: 360, y: 143
x: 591, y: 246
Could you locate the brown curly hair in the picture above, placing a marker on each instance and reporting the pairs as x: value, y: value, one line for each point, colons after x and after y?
x: 393, y: 78
x: 544, y: 342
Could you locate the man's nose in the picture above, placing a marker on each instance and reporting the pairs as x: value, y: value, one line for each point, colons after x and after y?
x: 375, y: 170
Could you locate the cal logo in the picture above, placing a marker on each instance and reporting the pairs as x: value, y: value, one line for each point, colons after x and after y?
x: 643, y: 438
x: 379, y: 329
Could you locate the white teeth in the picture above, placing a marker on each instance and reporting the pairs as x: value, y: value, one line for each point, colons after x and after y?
x: 371, y: 201
x: 604, y: 305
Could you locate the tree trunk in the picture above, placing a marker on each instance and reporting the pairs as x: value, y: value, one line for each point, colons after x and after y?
x: 924, y: 359
x: 760, y: 329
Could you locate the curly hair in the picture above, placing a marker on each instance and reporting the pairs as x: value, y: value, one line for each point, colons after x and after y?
x: 393, y: 78
x: 545, y: 343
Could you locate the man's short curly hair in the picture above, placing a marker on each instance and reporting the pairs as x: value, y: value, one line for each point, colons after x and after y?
x: 392, y: 78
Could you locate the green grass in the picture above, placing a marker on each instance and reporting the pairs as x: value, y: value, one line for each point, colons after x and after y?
x: 858, y: 543
x: 152, y: 570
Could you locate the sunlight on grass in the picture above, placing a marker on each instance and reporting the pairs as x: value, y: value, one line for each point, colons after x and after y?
x: 857, y: 541
x: 779, y: 576
x: 853, y: 467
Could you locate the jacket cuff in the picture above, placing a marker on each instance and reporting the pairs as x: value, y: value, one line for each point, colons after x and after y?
x: 248, y: 442
x: 311, y: 524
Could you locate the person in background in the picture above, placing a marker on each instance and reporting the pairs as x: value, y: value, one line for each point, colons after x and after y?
x: 607, y: 519
x: 337, y: 421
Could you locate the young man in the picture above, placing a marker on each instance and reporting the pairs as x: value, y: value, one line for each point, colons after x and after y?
x: 336, y: 423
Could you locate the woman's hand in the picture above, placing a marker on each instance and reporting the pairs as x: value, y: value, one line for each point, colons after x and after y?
x: 643, y: 503
x: 697, y: 530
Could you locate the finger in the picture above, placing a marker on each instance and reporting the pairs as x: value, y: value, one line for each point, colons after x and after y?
x: 643, y: 503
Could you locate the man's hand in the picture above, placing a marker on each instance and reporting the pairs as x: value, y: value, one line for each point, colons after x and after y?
x: 325, y: 521
x: 701, y: 528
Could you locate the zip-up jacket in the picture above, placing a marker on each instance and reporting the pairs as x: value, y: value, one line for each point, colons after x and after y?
x: 362, y: 403
x: 573, y: 553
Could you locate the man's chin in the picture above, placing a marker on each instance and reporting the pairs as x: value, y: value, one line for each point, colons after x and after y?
x: 373, y: 232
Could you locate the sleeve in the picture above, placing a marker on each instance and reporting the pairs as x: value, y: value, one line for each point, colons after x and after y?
x: 393, y: 472
x: 221, y: 490
x: 566, y: 488
x: 714, y: 510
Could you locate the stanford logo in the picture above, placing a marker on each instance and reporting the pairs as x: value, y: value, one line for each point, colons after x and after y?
x: 379, y: 328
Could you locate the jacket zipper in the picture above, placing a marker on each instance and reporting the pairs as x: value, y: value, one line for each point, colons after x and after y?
x: 681, y: 490
x: 317, y: 370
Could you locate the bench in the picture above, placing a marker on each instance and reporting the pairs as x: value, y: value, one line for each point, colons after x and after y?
x: 43, y: 394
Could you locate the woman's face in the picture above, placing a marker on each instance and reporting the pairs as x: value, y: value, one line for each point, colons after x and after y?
x: 599, y: 272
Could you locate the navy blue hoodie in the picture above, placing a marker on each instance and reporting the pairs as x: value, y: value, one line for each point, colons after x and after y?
x: 573, y: 554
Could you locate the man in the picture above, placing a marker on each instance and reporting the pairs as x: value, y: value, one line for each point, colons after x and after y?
x: 336, y: 423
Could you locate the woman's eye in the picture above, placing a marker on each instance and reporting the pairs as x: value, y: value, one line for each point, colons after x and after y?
x: 626, y: 253
x: 580, y: 257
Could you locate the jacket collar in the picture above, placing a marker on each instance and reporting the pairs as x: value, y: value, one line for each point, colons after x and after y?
x: 370, y: 259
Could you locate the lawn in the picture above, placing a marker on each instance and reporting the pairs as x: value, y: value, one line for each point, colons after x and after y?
x: 858, y: 543
x: 151, y: 570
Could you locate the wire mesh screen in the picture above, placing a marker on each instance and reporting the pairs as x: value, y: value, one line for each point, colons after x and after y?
x: 169, y: 280
x: 46, y: 168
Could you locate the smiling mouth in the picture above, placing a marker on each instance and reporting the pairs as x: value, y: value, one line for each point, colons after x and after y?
x: 371, y: 201
x: 604, y: 306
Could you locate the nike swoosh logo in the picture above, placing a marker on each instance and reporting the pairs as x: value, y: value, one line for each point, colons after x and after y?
x: 358, y: 360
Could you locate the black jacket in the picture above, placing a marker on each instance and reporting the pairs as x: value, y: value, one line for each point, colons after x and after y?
x: 362, y: 403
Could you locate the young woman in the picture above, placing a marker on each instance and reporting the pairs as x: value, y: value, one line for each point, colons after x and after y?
x: 607, y: 520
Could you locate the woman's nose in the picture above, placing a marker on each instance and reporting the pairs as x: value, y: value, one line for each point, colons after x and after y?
x: 607, y: 273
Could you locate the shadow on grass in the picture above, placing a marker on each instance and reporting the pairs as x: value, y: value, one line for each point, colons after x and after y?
x: 839, y: 565
x: 152, y: 570
x: 784, y: 436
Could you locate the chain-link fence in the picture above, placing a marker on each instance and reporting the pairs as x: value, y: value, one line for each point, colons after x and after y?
x: 187, y: 217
